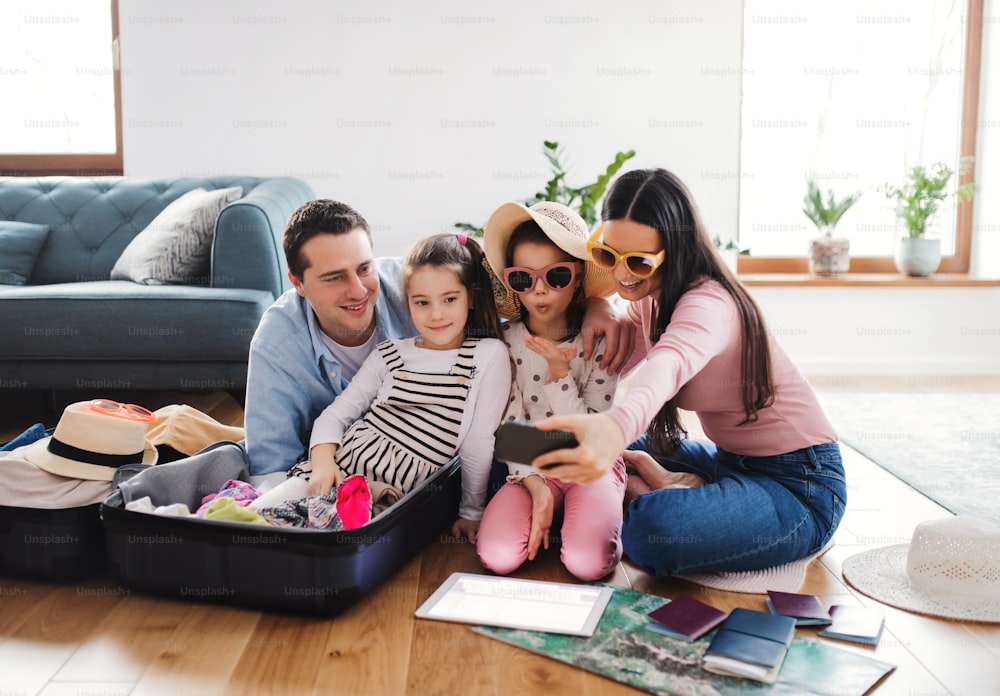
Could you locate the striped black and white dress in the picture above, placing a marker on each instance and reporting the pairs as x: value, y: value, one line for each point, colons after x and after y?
x: 407, y: 436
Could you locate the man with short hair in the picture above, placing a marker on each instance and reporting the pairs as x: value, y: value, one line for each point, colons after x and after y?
x: 313, y: 339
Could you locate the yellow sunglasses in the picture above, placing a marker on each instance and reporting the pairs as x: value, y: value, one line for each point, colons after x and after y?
x: 641, y: 264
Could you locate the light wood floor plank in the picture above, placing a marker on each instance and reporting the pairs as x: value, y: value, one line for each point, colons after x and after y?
x: 126, y: 641
x: 86, y: 689
x: 368, y: 648
x: 18, y: 599
x: 28, y: 665
x: 210, y: 641
x: 52, y: 630
x: 284, y: 655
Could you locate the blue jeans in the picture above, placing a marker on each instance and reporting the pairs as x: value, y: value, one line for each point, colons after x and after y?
x: 752, y: 513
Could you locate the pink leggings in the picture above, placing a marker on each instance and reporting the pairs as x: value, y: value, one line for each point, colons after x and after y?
x: 591, y: 530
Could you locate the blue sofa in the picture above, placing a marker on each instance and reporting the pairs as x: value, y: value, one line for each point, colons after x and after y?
x: 71, y: 327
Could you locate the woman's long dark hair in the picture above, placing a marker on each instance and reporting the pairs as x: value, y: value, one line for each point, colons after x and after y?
x: 657, y: 198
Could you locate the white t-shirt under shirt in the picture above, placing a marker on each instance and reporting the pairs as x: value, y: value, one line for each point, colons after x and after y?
x: 351, y: 357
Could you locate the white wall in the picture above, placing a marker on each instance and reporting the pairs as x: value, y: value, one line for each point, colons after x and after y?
x: 424, y: 114
x: 886, y: 330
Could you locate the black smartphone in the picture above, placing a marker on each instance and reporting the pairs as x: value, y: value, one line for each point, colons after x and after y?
x: 521, y: 443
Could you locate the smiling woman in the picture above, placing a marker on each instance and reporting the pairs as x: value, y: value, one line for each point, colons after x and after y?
x: 768, y: 486
x: 62, y: 105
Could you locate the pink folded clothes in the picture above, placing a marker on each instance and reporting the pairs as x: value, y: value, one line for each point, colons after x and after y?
x: 241, y: 492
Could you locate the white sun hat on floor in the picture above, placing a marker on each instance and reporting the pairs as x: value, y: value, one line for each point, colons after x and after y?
x: 950, y: 569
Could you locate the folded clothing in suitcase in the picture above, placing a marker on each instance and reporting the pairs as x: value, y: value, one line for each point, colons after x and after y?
x: 259, y: 566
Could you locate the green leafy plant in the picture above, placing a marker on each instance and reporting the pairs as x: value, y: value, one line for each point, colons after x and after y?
x: 826, y: 212
x: 729, y: 245
x: 925, y: 189
x: 584, y: 199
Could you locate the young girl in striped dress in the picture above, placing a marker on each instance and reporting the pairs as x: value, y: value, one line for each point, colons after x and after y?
x: 417, y: 402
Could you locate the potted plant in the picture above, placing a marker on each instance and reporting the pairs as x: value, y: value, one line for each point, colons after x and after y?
x: 584, y: 199
x: 917, y: 203
x: 828, y: 255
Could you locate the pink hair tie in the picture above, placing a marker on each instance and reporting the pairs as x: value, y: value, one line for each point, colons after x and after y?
x: 462, y: 239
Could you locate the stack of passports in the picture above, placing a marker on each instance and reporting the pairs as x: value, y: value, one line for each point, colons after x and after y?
x: 750, y: 644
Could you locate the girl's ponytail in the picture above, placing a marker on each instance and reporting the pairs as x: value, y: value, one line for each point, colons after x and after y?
x: 484, y: 322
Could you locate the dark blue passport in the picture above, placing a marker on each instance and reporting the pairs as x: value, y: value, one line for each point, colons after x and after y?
x: 750, y: 644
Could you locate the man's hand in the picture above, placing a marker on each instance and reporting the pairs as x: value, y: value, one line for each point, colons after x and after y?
x: 600, y: 319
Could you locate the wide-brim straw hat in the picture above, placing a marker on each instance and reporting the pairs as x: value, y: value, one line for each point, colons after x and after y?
x: 563, y: 226
x: 950, y: 569
x: 90, y: 445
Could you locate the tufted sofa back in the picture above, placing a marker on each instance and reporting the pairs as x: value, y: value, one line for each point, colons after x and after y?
x: 93, y: 219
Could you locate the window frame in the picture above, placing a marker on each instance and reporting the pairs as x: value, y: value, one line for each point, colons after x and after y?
x: 86, y: 164
x: 960, y: 261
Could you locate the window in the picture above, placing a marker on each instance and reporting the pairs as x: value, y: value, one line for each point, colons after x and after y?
x: 60, y: 81
x: 851, y: 95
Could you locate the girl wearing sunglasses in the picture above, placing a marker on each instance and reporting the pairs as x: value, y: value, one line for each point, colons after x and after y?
x: 540, y: 254
x: 769, y: 488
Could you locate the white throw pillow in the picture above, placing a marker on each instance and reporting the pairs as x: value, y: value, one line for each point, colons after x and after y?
x: 174, y: 248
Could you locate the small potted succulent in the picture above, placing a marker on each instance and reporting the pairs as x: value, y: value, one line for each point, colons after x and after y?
x: 828, y: 255
x: 917, y: 203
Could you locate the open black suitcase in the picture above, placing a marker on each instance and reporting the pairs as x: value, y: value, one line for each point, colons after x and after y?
x: 54, y: 545
x: 260, y: 566
x: 61, y: 545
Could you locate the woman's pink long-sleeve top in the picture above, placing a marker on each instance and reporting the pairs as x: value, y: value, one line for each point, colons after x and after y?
x: 697, y: 359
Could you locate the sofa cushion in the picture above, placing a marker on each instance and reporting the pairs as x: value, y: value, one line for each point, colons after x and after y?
x: 20, y: 243
x: 174, y: 248
x: 151, y: 322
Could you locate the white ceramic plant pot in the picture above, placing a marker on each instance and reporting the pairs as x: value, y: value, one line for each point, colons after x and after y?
x: 829, y: 256
x: 918, y: 257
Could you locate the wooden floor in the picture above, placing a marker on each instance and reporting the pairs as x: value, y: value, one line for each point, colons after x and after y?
x: 97, y: 639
